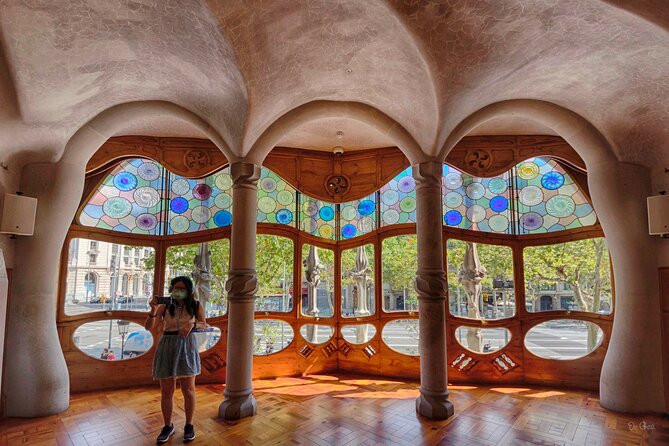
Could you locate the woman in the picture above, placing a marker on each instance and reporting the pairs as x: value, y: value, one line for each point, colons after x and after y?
x: 177, y: 356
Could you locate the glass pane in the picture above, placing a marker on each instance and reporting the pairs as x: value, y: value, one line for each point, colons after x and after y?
x: 398, y: 199
x: 480, y: 204
x: 563, y: 339
x: 398, y: 262
x: 358, y: 334
x: 276, y: 199
x: 207, y: 265
x: 358, y: 217
x: 101, y: 277
x: 357, y: 282
x: 129, y: 199
x: 317, y: 217
x: 206, y: 338
x: 196, y: 205
x: 271, y: 336
x: 480, y: 280
x: 402, y: 336
x: 482, y: 340
x: 317, y: 281
x: 274, y: 267
x: 316, y: 334
x: 112, y: 340
x: 549, y: 199
x: 568, y: 276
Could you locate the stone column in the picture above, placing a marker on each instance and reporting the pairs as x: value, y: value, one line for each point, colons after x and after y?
x: 36, y: 378
x: 431, y: 287
x: 241, y: 287
x: 631, y: 378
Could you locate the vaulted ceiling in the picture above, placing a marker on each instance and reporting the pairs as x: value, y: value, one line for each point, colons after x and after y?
x: 240, y: 65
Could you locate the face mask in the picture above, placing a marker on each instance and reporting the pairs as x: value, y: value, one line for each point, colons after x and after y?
x: 178, y: 294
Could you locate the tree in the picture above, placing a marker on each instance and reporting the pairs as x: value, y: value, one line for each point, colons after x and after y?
x: 583, y: 264
x: 399, y: 264
x: 274, y: 263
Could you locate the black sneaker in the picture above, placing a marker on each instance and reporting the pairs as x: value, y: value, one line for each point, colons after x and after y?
x: 189, y: 432
x: 165, y: 434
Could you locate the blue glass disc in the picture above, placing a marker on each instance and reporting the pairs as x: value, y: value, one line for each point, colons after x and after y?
x: 348, y: 231
x: 284, y: 216
x: 552, y: 180
x: 499, y: 203
x: 366, y: 207
x: 125, y: 181
x: 453, y: 218
x: 222, y: 218
x: 326, y: 213
x: 179, y: 205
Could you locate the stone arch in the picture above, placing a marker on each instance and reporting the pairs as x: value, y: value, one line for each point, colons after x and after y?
x: 618, y: 191
x: 37, y: 380
x: 327, y: 109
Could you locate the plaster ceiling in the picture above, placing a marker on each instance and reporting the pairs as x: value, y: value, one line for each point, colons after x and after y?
x: 242, y: 64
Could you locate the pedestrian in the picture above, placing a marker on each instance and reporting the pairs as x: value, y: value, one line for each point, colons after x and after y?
x: 177, y: 357
x: 104, y: 354
x: 111, y: 356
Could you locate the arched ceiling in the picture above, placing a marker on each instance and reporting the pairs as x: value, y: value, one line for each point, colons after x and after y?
x: 242, y: 64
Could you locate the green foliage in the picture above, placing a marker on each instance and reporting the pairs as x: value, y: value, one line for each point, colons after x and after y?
x: 274, y: 258
x: 399, y: 264
x: 348, y: 265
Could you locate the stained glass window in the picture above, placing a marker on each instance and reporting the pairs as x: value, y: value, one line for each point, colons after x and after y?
x: 317, y: 217
x: 358, y: 217
x: 197, y: 205
x: 481, y: 204
x: 129, y: 199
x: 548, y: 198
x: 398, y: 200
x: 276, y: 199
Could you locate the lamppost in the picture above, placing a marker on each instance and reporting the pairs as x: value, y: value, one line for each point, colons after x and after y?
x: 123, y: 331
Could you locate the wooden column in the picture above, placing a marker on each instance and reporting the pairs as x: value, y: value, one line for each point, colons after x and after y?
x: 431, y: 287
x: 241, y: 287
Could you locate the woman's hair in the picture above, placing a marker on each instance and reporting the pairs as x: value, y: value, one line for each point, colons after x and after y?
x: 190, y: 304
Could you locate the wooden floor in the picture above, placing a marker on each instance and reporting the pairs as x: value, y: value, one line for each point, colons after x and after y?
x: 347, y: 410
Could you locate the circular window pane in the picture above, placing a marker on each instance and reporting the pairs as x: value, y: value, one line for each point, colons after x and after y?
x: 482, y: 340
x: 207, y: 338
x: 112, y: 340
x: 316, y: 334
x: 271, y: 336
x: 563, y: 339
x: 358, y: 334
x: 402, y: 336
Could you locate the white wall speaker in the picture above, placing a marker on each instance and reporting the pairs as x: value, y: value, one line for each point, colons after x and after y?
x: 658, y: 215
x: 18, y: 215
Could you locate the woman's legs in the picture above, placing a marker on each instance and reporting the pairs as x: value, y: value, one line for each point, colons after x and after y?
x: 188, y: 390
x: 167, y: 386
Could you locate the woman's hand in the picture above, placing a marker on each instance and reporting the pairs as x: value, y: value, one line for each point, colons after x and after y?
x: 155, y: 306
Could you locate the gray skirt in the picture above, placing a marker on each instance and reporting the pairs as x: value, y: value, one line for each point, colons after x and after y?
x: 176, y: 357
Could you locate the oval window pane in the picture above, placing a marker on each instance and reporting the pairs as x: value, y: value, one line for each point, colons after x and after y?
x: 271, y: 336
x: 207, y: 338
x: 358, y: 334
x: 482, y: 340
x: 316, y: 334
x: 402, y: 336
x: 112, y: 340
x: 563, y: 339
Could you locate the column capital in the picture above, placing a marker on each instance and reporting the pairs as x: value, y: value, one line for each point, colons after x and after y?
x: 245, y: 175
x: 427, y: 174
x: 242, y: 285
x: 431, y: 284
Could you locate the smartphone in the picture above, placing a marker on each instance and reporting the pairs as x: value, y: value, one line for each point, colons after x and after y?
x: 164, y: 300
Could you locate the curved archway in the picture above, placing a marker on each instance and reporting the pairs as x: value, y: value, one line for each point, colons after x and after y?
x: 327, y: 109
x: 37, y: 380
x: 618, y: 191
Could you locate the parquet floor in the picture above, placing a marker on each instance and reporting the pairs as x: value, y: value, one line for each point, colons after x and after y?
x: 345, y: 410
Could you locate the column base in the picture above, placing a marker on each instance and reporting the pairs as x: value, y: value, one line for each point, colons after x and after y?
x: 434, y: 406
x: 238, y: 407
